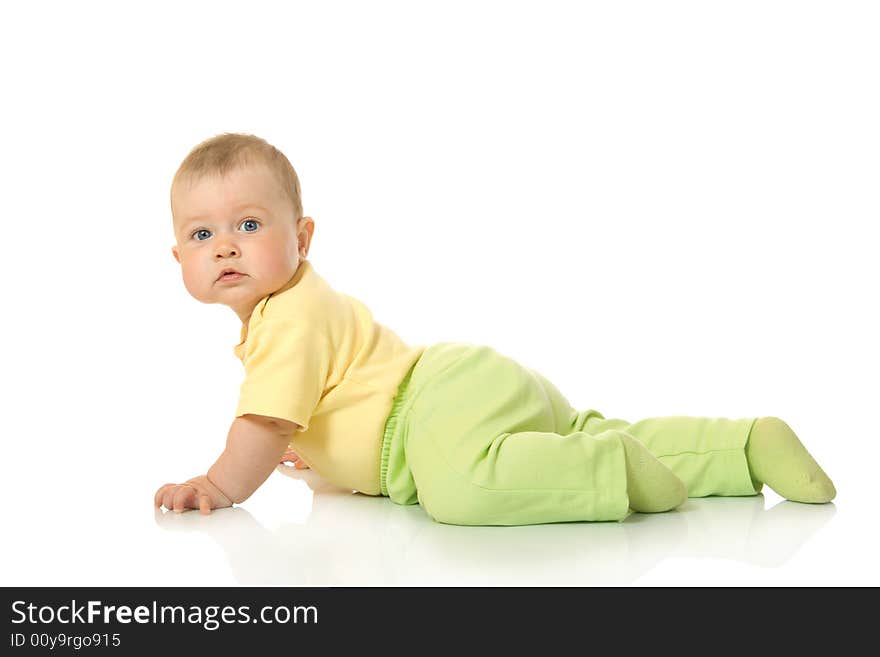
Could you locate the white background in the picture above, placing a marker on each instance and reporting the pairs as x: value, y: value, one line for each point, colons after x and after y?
x: 666, y: 208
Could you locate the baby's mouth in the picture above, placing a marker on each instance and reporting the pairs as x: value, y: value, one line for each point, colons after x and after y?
x: 230, y: 275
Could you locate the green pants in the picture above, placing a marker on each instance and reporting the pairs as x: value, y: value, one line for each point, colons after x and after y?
x: 478, y: 439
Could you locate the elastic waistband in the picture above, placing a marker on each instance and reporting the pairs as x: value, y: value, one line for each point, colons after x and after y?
x: 390, y: 424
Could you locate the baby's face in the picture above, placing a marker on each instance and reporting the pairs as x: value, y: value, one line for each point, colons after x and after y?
x: 242, y: 222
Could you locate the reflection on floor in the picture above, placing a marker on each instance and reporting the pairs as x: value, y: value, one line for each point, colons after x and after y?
x: 356, y: 540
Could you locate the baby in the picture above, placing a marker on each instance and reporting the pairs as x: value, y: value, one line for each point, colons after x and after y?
x: 472, y: 436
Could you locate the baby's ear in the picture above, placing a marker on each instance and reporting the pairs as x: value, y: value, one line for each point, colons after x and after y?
x: 175, y: 253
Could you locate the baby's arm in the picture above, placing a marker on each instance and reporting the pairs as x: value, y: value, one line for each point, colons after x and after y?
x: 253, y: 448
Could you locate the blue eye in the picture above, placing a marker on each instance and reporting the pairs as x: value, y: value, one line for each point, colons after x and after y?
x: 199, y: 237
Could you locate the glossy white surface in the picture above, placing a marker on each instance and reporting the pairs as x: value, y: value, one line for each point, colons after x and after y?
x: 290, y: 534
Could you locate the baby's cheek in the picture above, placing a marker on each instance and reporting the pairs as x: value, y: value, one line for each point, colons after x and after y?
x: 194, y: 282
x: 281, y: 268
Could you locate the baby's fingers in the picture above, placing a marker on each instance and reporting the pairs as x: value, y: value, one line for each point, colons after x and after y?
x: 180, y: 497
x: 160, y: 494
x: 184, y: 498
x: 168, y: 496
x: 292, y: 457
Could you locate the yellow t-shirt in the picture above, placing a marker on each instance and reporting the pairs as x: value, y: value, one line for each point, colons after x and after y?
x: 316, y: 357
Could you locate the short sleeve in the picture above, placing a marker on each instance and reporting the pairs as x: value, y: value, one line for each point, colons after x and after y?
x: 286, y: 368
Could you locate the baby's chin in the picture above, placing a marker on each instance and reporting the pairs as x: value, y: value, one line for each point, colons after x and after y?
x: 240, y: 299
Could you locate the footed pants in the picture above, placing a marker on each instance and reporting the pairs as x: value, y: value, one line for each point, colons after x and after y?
x: 476, y: 438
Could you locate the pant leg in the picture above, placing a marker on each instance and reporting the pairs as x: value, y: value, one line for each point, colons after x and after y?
x: 487, y: 441
x: 707, y: 454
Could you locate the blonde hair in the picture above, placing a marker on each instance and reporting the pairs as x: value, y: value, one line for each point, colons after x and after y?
x: 225, y: 152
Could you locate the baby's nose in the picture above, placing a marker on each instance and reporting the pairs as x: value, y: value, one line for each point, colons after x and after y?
x: 224, y: 251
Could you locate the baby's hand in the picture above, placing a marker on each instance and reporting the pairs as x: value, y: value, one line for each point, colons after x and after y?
x: 197, y: 493
x: 292, y: 456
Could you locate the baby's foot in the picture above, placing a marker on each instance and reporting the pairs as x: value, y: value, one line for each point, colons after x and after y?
x: 650, y: 485
x: 778, y: 458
